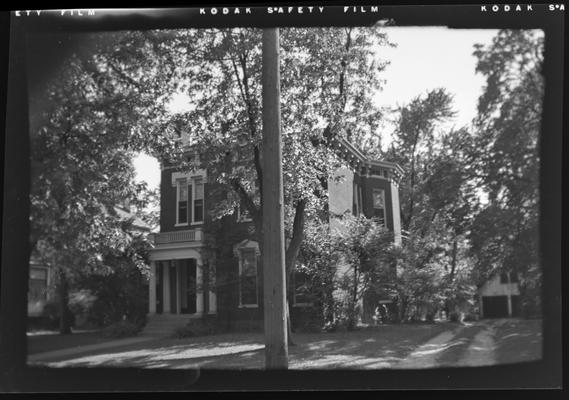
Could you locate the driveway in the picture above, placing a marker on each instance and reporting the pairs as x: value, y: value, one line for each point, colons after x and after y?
x: 405, y: 346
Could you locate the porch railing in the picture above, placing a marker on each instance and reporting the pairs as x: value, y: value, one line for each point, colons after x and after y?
x: 178, y: 236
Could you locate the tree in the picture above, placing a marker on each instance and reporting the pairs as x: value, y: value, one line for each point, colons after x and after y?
x: 328, y: 79
x: 364, y: 248
x: 505, y: 232
x: 82, y: 142
x: 438, y: 199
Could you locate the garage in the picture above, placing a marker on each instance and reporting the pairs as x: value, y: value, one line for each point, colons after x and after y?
x: 495, y: 306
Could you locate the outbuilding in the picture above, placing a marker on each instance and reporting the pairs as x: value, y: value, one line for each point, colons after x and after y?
x: 500, y: 296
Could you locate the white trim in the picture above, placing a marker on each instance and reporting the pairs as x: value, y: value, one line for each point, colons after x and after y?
x: 241, y: 218
x: 175, y: 254
x: 247, y: 305
x: 152, y: 289
x: 183, y: 224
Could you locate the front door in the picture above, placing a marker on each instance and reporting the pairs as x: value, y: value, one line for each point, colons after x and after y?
x: 188, y: 286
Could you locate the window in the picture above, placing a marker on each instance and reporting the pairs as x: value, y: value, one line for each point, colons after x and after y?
x: 513, y: 277
x: 243, y: 214
x: 379, y: 205
x: 182, y: 201
x: 301, y: 289
x: 38, y: 284
x: 503, y: 277
x: 248, y: 278
x: 198, y: 200
x: 190, y: 201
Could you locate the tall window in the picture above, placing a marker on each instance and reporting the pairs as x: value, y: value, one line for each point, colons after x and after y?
x: 38, y: 284
x: 198, y: 200
x: 248, y: 281
x: 379, y: 205
x: 182, y: 201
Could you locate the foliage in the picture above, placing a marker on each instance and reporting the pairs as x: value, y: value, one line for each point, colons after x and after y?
x: 317, y: 262
x: 88, y: 122
x: 121, y: 329
x: 505, y: 235
x: 119, y: 294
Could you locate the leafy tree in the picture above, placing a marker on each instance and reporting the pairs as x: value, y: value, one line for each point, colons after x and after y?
x: 438, y: 200
x: 328, y: 78
x: 83, y: 136
x: 363, y: 248
x: 505, y: 233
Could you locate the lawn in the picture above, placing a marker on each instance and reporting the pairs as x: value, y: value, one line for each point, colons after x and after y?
x: 518, y: 340
x: 380, y: 347
x: 44, y: 341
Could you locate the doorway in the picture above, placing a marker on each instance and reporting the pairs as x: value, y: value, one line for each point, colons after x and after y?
x: 188, y: 286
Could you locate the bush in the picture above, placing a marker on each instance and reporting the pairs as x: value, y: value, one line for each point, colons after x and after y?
x: 121, y: 329
x: 195, y: 328
x: 454, y: 317
x: 112, y: 297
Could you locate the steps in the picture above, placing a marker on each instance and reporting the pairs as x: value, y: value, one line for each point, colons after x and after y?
x: 163, y: 325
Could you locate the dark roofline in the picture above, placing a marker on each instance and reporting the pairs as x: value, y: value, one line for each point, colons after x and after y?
x: 355, y: 153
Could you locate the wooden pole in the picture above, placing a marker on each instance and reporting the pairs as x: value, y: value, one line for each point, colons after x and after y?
x: 276, y: 349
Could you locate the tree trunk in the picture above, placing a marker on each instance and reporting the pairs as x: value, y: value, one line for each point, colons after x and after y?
x: 64, y: 311
x: 291, y: 256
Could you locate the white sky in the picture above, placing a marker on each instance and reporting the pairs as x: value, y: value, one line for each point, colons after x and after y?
x: 425, y: 58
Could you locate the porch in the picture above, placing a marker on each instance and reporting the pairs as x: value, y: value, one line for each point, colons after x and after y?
x: 181, y: 283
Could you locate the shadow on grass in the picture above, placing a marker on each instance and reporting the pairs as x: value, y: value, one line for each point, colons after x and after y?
x: 370, y: 349
x: 518, y: 340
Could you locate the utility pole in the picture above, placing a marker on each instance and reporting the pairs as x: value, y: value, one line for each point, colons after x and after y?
x: 276, y: 347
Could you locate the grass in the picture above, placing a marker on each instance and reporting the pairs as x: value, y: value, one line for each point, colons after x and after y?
x: 44, y: 341
x: 518, y: 340
x: 381, y: 347
x: 385, y: 346
x: 456, y: 349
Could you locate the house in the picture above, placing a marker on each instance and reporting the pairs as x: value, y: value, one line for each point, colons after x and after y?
x: 500, y: 296
x: 206, y: 268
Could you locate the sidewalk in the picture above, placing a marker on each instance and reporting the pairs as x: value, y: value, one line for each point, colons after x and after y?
x: 77, y: 350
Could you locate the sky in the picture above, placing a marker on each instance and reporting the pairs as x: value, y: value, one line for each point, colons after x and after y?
x: 425, y: 58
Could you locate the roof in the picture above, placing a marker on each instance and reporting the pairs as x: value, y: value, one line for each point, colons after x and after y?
x: 357, y: 159
x: 125, y: 215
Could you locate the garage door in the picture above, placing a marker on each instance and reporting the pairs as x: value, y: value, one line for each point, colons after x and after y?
x: 495, y: 306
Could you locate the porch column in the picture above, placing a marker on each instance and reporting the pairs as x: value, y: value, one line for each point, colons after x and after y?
x: 509, y: 305
x: 212, y: 294
x: 166, y: 287
x: 200, y: 287
x: 152, y: 289
x: 178, y: 288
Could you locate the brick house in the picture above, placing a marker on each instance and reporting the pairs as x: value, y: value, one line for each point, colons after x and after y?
x: 201, y: 267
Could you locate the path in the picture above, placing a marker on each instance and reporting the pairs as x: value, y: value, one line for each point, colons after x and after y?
x: 426, y: 355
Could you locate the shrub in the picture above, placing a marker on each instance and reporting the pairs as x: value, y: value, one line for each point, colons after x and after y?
x: 454, y: 317
x: 469, y: 317
x: 195, y: 328
x: 121, y: 329
x: 113, y: 296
